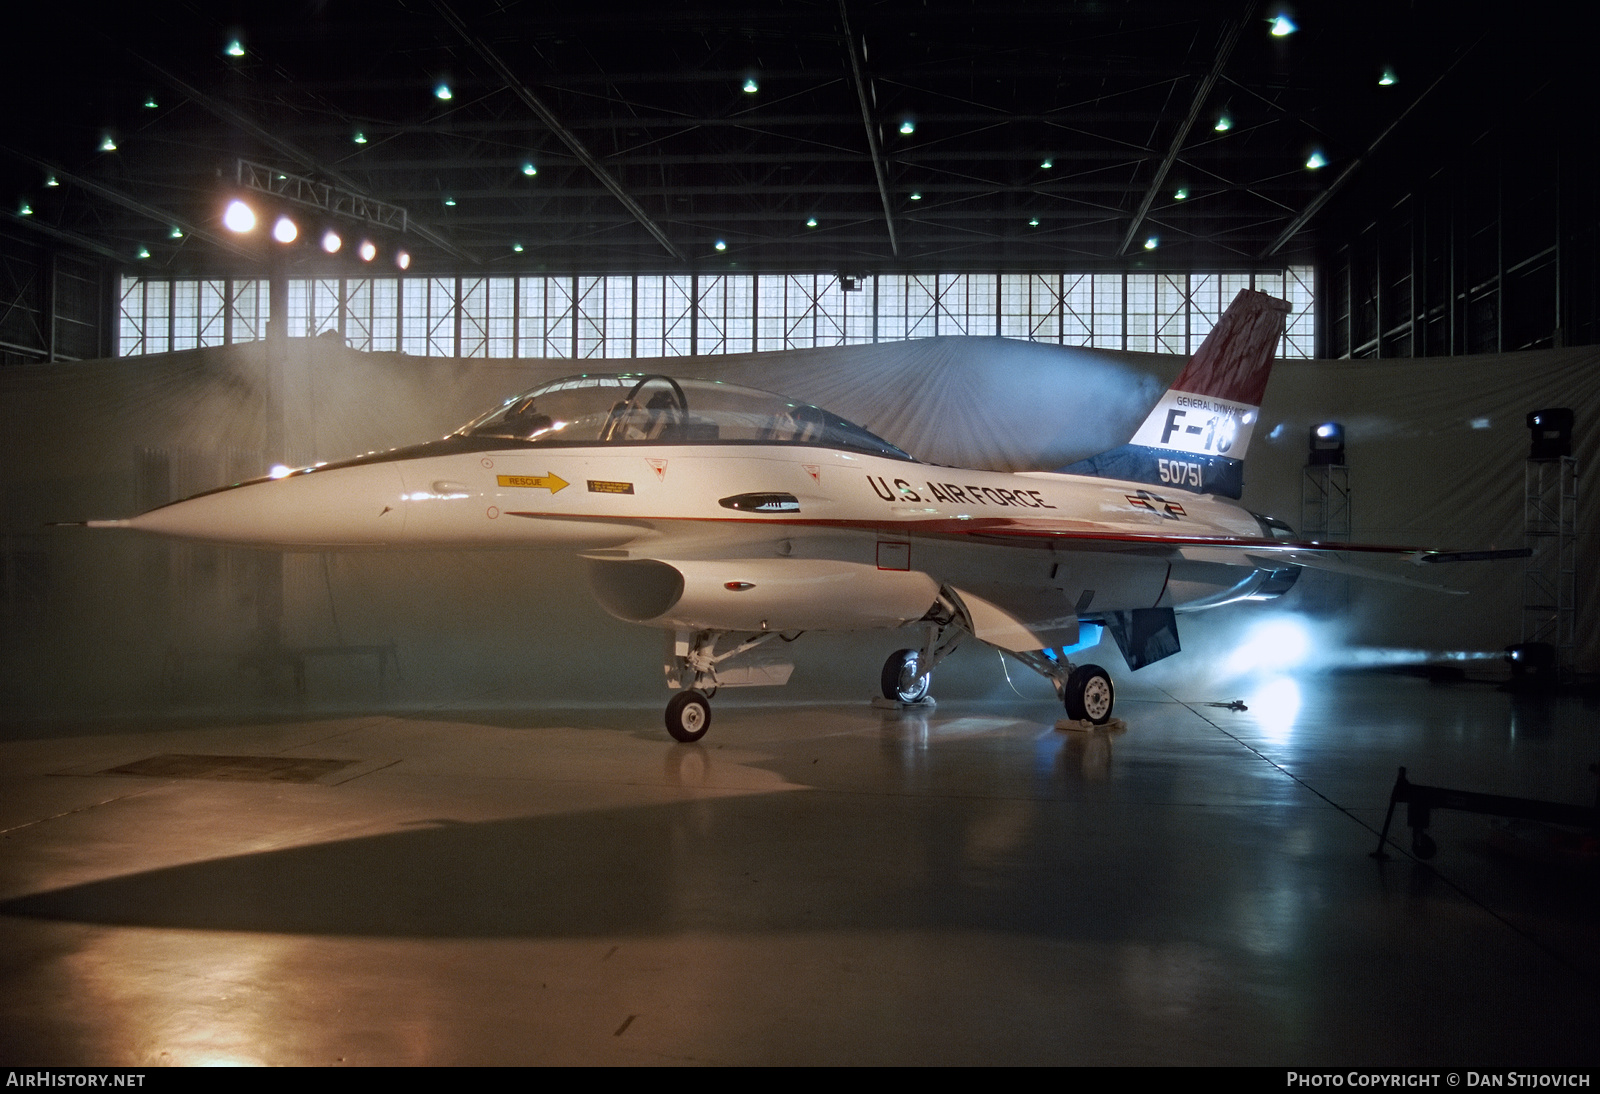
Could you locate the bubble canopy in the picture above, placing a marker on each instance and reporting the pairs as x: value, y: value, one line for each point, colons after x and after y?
x: 652, y: 409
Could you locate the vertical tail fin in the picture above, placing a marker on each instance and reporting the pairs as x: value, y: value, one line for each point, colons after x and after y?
x: 1197, y: 436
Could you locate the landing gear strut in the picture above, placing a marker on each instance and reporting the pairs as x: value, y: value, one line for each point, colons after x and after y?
x: 694, y: 664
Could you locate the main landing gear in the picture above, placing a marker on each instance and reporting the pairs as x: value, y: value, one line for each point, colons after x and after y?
x: 1085, y: 690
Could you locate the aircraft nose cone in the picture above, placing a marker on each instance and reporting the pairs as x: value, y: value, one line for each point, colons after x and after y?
x: 336, y: 507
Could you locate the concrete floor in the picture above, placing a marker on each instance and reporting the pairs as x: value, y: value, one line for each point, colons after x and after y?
x: 811, y: 884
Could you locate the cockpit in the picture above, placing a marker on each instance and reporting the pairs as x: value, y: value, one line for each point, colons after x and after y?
x: 651, y: 409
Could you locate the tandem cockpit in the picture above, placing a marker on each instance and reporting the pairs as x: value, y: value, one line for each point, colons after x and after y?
x: 652, y: 409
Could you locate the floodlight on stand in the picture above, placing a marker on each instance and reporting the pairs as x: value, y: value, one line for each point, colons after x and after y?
x: 1327, y: 445
x: 239, y: 217
x: 1552, y: 433
x: 368, y: 250
x: 331, y: 242
x: 285, y: 230
x: 403, y: 260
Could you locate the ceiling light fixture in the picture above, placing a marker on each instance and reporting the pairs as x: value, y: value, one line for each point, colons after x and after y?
x: 26, y: 210
x: 360, y: 137
x: 52, y: 181
x: 721, y: 245
x: 1316, y: 160
x: 239, y: 217
x: 107, y: 144
x: 517, y: 247
x: 443, y: 93
x: 403, y: 260
x: 1033, y: 222
x: 1047, y: 164
x: 907, y: 127
x: 750, y: 86
x: 811, y: 222
x: 1224, y: 123
x: 1152, y: 243
x: 234, y: 48
x: 285, y: 230
x: 1180, y: 194
x: 1283, y: 26
x: 150, y: 102
x: 529, y: 169
x: 331, y: 241
x: 1387, y: 79
x: 368, y: 250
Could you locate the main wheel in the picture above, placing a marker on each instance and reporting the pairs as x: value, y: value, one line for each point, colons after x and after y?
x: 688, y: 716
x: 901, y: 681
x: 1090, y: 695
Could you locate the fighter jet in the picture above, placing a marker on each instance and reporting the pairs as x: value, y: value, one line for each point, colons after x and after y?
x: 737, y: 519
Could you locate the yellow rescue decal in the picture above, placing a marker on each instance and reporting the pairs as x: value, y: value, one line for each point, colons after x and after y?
x: 599, y: 486
x: 552, y: 483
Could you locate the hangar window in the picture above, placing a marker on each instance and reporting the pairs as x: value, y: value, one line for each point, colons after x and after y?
x: 679, y: 315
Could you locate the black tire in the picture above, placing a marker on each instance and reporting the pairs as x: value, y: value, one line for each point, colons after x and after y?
x: 900, y: 680
x: 688, y: 716
x: 1422, y: 844
x: 1090, y: 695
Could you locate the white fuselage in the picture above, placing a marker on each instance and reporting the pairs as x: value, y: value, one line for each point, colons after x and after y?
x: 853, y: 541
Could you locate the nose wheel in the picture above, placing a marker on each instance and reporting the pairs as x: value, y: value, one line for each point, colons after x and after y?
x: 1088, y: 695
x: 903, y: 679
x: 688, y: 716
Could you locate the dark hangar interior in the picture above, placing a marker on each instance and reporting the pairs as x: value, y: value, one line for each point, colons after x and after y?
x: 416, y: 807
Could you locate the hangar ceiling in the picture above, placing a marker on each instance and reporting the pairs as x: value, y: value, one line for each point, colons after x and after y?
x: 828, y: 135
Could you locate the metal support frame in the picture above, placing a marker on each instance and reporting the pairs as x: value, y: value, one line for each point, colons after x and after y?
x: 1422, y: 800
x: 879, y: 168
x: 1325, y: 515
x: 319, y: 195
x: 1230, y: 37
x: 239, y: 120
x: 554, y: 124
x: 1550, y: 580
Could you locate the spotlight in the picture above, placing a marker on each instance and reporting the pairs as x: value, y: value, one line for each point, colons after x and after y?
x: 285, y: 230
x: 1327, y: 445
x: 1552, y: 433
x: 403, y: 260
x: 367, y: 250
x: 239, y: 217
x: 331, y: 241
